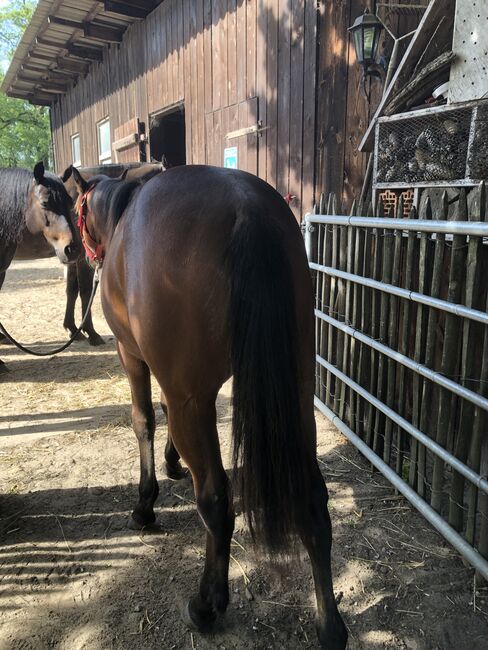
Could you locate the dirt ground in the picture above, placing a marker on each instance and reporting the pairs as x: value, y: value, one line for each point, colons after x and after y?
x: 73, y: 577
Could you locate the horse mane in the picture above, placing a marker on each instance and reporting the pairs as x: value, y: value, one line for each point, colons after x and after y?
x: 14, y: 190
x: 111, y: 197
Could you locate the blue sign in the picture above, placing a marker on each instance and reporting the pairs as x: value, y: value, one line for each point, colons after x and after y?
x: 230, y: 157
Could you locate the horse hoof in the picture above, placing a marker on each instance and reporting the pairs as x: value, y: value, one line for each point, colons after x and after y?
x: 176, y: 472
x: 79, y: 337
x: 198, y: 621
x: 95, y: 339
x: 136, y: 523
x: 333, y: 636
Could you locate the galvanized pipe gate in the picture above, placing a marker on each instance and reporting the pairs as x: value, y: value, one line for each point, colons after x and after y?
x: 402, y: 349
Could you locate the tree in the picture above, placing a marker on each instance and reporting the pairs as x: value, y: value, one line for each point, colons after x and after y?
x: 25, y: 136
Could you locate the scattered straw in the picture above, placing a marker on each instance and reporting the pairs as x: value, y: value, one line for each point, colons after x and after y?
x: 62, y: 531
x: 274, y: 602
x: 246, y: 579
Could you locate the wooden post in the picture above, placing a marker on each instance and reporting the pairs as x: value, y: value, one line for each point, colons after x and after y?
x: 331, y: 382
x: 386, y: 275
x: 402, y: 407
x: 341, y: 338
x: 364, y: 368
x: 393, y: 331
x: 345, y: 392
x: 450, y: 355
x: 420, y: 336
x: 470, y: 368
x: 377, y: 244
x: 357, y: 293
x: 426, y: 404
x: 326, y: 259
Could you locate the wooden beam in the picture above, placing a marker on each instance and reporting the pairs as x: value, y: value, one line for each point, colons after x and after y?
x: 56, y: 20
x: 70, y: 65
x: 126, y: 9
x: 33, y: 95
x: 30, y: 98
x: 47, y: 74
x: 45, y: 86
x: 27, y: 67
x: 24, y: 77
x: 419, y: 83
x: 47, y: 42
x: 128, y: 141
x: 435, y: 11
x: 41, y: 57
x: 40, y: 102
x: 102, y: 32
x: 94, y: 54
x: 98, y: 31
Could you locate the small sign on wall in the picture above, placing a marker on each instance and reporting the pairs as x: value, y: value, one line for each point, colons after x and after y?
x: 230, y: 157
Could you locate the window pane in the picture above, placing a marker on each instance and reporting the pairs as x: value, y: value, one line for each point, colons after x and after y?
x: 104, y: 139
x: 75, y: 149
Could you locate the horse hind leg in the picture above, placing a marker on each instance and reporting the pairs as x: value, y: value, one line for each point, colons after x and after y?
x: 194, y: 432
x: 143, y: 423
x: 173, y: 468
x: 317, y: 539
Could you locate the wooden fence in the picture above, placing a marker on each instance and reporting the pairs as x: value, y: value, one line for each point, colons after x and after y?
x: 402, y: 347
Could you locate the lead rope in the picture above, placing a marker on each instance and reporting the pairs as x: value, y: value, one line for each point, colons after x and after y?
x: 96, y: 280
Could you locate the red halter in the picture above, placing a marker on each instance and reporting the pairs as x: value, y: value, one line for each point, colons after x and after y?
x: 93, y: 249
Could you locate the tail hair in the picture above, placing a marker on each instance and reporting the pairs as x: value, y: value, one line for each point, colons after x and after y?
x: 267, y: 424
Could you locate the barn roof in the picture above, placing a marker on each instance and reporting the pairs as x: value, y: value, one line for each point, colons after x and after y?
x: 62, y: 40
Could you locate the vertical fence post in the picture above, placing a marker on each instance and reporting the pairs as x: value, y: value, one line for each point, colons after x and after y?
x: 377, y: 255
x: 450, y: 354
x: 420, y: 337
x: 393, y: 330
x: 470, y: 368
x: 357, y: 291
x: 402, y: 406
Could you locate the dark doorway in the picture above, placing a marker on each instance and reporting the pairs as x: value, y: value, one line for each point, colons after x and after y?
x: 167, y: 137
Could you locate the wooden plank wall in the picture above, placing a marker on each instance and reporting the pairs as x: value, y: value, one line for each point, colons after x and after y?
x: 232, y: 63
x: 343, y: 112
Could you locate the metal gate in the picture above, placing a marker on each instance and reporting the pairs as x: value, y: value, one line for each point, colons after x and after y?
x: 402, y: 353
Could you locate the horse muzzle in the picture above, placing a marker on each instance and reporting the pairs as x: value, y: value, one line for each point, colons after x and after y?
x: 69, y: 253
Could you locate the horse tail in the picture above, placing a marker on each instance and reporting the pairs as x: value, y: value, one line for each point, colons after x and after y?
x: 267, y: 428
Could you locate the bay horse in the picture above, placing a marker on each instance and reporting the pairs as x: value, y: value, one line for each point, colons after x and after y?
x: 79, y: 276
x: 34, y: 219
x: 205, y: 276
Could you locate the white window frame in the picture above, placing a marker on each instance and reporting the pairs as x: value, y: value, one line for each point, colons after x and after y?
x: 104, y: 157
x: 77, y: 162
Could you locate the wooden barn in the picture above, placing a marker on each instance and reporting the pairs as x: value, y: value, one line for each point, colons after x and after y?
x: 269, y: 86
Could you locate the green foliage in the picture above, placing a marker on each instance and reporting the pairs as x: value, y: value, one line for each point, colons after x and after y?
x: 14, y: 18
x: 24, y: 129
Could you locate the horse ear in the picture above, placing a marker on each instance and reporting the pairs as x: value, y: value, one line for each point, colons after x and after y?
x: 39, y: 172
x: 124, y: 174
x: 81, y: 184
x: 67, y: 173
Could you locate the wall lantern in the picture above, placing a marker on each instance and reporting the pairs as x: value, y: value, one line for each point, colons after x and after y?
x: 366, y: 32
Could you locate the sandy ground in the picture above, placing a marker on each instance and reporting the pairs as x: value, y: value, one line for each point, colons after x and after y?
x: 73, y: 577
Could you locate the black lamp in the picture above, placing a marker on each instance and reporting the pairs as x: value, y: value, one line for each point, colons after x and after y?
x: 366, y: 37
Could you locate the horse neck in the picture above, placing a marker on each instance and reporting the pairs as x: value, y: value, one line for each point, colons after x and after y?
x: 111, y: 208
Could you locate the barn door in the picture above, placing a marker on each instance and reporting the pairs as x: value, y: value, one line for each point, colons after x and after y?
x: 129, y: 142
x: 232, y: 135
